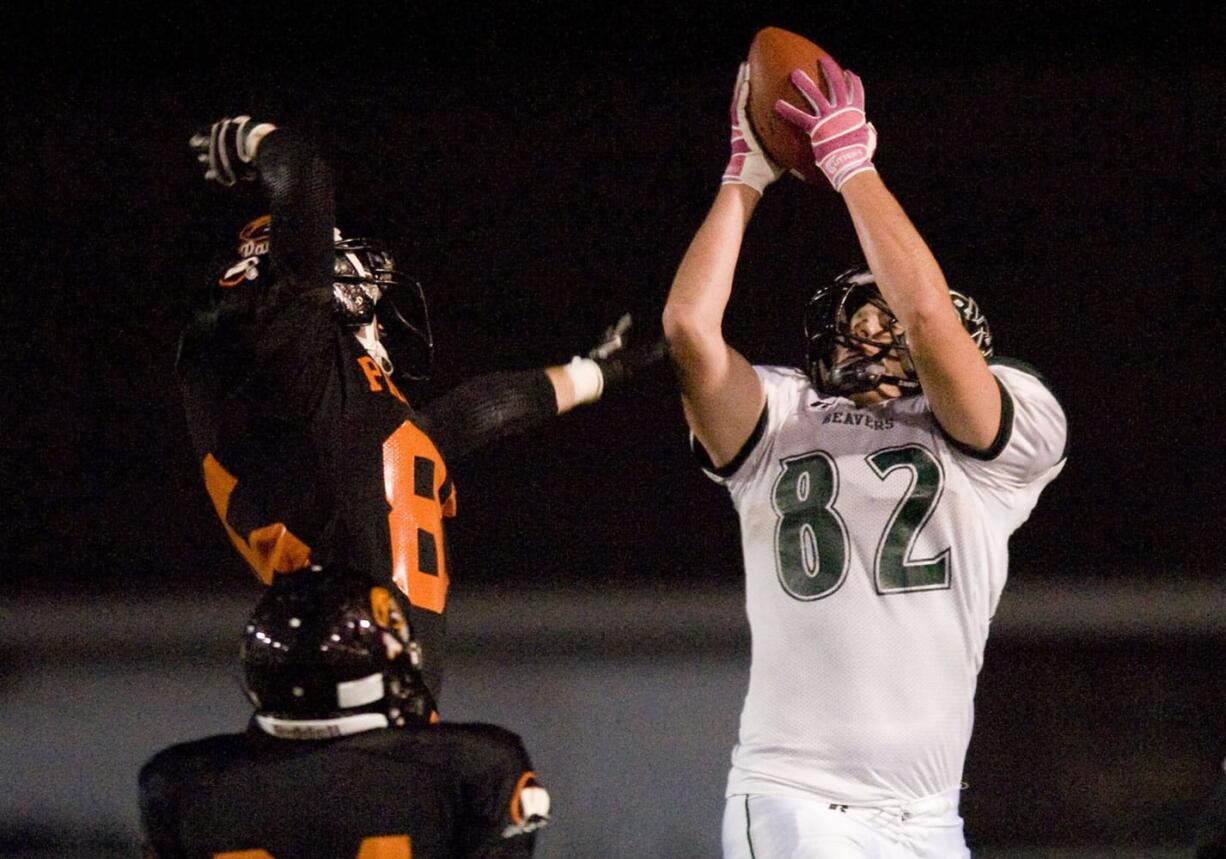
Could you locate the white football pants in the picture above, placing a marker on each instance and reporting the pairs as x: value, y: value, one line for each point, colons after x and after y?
x: 764, y: 826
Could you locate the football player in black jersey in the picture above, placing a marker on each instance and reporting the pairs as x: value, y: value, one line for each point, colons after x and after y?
x: 310, y: 452
x: 340, y: 760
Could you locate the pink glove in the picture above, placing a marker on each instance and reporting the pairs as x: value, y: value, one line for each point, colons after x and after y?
x: 843, y: 142
x: 748, y: 164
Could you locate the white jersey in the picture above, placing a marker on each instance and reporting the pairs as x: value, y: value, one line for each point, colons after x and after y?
x: 875, y: 553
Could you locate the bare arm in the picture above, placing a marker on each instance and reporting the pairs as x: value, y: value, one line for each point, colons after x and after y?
x: 720, y: 392
x: 952, y: 372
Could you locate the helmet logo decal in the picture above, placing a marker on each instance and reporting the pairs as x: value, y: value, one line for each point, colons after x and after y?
x: 355, y: 693
x: 246, y: 269
x: 253, y: 238
x: 973, y: 320
x: 390, y: 620
x: 381, y: 606
x: 530, y: 806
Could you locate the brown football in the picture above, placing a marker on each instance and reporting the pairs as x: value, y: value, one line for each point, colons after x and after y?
x: 772, y: 56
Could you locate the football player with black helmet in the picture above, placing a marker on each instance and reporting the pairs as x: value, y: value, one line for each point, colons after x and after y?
x: 341, y: 759
x: 842, y: 362
x: 876, y: 487
x: 310, y: 451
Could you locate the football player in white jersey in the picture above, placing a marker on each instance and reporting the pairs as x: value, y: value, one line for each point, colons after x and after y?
x: 876, y: 488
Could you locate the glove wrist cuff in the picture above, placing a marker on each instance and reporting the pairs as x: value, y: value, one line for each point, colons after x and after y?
x: 841, y: 179
x: 252, y: 139
x: 759, y: 186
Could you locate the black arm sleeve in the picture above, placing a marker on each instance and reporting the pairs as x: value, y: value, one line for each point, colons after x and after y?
x: 294, y: 354
x: 487, y: 408
x: 302, y: 204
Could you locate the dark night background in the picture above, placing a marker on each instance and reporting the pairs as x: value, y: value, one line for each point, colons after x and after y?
x: 541, y: 168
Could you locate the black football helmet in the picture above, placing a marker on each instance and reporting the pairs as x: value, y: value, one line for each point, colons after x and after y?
x: 327, y: 652
x: 367, y: 287
x: 828, y: 324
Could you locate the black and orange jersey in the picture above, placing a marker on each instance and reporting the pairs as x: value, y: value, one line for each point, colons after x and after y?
x: 309, y: 451
x: 462, y: 791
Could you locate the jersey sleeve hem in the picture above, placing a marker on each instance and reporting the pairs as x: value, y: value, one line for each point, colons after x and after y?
x: 730, y: 468
x: 1028, y: 369
x: 1003, y: 433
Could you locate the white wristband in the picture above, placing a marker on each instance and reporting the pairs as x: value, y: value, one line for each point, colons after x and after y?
x: 585, y: 376
x: 249, y: 147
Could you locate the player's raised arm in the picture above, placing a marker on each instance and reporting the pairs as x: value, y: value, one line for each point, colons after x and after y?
x: 951, y: 369
x: 722, y: 395
x: 298, y: 182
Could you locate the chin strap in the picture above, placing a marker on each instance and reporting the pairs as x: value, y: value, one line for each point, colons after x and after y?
x: 865, y: 374
x: 320, y: 729
x: 368, y: 336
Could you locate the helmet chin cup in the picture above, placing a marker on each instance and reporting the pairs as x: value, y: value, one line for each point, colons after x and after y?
x: 854, y: 376
x: 861, y: 375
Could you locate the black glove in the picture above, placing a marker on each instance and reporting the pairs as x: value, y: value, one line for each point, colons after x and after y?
x: 620, y: 362
x: 613, y: 338
x: 228, y: 150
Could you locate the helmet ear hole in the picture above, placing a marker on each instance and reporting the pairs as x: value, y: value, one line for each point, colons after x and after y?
x: 355, y: 302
